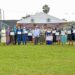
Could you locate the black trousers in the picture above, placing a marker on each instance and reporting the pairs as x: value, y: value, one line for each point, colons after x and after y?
x: 36, y: 41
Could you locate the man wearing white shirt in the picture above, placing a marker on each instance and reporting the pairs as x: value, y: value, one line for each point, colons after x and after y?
x: 36, y: 34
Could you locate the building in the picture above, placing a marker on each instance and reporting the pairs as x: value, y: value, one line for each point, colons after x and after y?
x: 41, y: 19
x: 6, y: 23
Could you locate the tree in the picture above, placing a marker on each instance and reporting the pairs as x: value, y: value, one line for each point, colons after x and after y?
x: 46, y: 9
x: 26, y: 16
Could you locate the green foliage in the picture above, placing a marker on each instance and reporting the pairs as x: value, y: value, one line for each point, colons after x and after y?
x: 46, y: 9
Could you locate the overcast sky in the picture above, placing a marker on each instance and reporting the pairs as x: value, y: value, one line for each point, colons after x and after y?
x: 15, y: 9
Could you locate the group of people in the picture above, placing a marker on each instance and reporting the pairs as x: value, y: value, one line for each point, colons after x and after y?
x: 54, y: 36
x: 37, y: 36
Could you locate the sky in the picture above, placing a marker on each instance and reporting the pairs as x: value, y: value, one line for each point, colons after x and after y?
x: 16, y: 9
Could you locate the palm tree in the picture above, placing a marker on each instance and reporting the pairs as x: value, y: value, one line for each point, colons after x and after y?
x: 45, y: 9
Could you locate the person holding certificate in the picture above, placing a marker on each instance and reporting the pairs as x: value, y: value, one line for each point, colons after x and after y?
x: 24, y: 36
x: 70, y: 37
x: 58, y: 37
x: 19, y: 35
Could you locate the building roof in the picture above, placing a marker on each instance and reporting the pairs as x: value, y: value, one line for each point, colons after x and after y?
x: 6, y: 23
x: 41, y: 18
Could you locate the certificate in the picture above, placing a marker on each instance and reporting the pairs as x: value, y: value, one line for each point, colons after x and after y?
x: 69, y: 32
x: 12, y: 33
x: 74, y: 31
x: 18, y: 32
x: 57, y: 33
x: 29, y: 34
x: 63, y: 33
x: 54, y: 31
x: 25, y: 32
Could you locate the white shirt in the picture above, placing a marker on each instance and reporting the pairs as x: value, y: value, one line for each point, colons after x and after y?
x: 12, y: 33
x: 62, y: 32
x: 29, y: 34
x: 54, y: 31
x: 19, y: 32
x: 73, y: 30
x: 36, y: 32
x: 69, y: 31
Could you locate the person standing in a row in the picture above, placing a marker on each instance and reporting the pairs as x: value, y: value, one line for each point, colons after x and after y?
x: 3, y: 35
x: 58, y: 37
x: 49, y: 37
x: 19, y: 35
x: 54, y: 35
x: 36, y: 35
x: 0, y: 36
x: 70, y: 40
x: 30, y: 35
x: 63, y: 37
x: 73, y: 34
x: 12, y: 37
x: 8, y: 36
x: 15, y: 32
x: 42, y: 36
x: 24, y: 36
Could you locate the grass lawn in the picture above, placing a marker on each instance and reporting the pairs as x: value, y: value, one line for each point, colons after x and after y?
x: 37, y: 60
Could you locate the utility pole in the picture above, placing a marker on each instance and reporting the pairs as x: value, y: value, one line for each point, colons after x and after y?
x: 0, y: 25
x: 3, y: 15
x: 0, y: 15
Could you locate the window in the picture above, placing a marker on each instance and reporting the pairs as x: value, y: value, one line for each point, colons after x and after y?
x: 48, y: 19
x: 32, y: 20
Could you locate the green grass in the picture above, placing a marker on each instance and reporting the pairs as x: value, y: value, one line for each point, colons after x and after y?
x: 37, y: 60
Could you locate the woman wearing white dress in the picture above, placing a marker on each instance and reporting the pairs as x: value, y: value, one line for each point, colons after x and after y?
x: 3, y: 35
